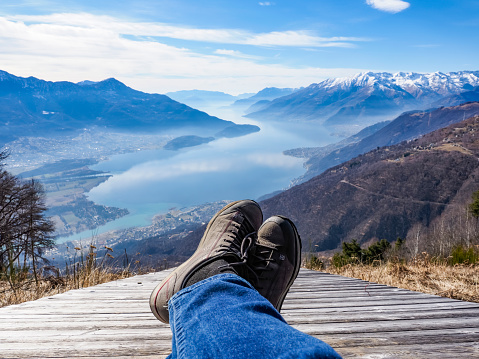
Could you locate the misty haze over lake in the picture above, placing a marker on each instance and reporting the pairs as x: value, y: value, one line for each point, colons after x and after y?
x: 151, y: 182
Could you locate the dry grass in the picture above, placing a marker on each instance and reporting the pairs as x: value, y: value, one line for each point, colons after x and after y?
x: 84, y: 270
x: 457, y: 282
x: 27, y: 289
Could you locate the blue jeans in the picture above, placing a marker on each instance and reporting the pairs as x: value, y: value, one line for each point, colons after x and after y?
x: 225, y: 317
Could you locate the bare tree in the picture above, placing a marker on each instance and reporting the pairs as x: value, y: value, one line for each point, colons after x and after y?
x: 37, y: 229
x: 24, y: 229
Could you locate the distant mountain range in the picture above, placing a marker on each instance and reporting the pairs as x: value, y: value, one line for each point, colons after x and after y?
x: 247, y: 102
x: 408, y: 126
x: 262, y: 98
x: 385, y: 192
x: 33, y: 107
x: 367, y: 97
x: 454, y: 100
x: 202, y: 98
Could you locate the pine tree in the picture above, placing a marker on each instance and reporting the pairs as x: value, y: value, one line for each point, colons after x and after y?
x: 474, y: 206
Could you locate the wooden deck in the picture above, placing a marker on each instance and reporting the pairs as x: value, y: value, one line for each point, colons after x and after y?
x: 360, y: 320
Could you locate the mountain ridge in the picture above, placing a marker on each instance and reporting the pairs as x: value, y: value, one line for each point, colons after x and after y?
x: 407, y: 126
x: 32, y: 107
x: 366, y: 98
x: 263, y: 97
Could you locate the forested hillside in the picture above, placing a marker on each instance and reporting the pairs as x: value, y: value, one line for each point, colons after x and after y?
x: 408, y: 126
x: 385, y: 192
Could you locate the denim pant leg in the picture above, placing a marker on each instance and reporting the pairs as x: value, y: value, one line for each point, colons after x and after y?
x: 225, y: 317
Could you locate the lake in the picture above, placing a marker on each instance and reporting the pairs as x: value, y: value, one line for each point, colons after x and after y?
x: 151, y: 182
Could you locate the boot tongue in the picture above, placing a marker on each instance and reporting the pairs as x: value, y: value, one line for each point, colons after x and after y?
x: 245, y: 227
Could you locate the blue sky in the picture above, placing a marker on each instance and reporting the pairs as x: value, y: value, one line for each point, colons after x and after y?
x: 234, y: 46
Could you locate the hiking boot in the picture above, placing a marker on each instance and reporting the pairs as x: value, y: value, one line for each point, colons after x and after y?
x: 276, y: 259
x: 221, y: 249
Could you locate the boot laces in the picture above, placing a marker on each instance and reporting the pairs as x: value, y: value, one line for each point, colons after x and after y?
x: 238, y: 241
x: 253, y: 259
x: 260, y: 262
x: 241, y: 246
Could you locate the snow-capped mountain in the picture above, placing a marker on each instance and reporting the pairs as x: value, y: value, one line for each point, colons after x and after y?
x: 368, y: 97
x: 414, y: 83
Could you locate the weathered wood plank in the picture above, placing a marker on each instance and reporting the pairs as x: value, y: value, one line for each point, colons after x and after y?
x: 102, y: 349
x: 359, y: 319
x: 61, y: 322
x: 429, y: 351
x: 383, y: 326
x: 394, y: 334
x: 376, y: 304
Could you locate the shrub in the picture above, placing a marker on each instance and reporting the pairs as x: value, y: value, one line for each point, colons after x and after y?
x: 462, y: 255
x: 399, y: 243
x: 474, y: 206
x: 375, y: 252
x: 314, y: 263
x: 353, y: 254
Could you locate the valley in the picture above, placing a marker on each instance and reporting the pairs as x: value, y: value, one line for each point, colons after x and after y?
x: 150, y: 188
x: 62, y: 165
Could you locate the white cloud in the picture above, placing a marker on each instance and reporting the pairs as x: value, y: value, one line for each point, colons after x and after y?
x: 235, y: 53
x: 392, y: 6
x: 300, y: 39
x: 266, y: 3
x: 76, y: 47
x: 226, y: 36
